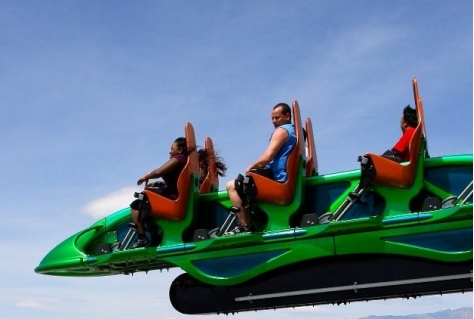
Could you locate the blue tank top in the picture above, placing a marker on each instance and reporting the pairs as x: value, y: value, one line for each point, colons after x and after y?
x: 278, y: 164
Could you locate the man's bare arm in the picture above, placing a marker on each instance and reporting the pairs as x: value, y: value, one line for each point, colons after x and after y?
x: 279, y: 137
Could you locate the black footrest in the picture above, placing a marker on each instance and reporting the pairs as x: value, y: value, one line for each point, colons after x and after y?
x: 234, y: 209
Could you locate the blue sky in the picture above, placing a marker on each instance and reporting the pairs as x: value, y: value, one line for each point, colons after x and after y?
x: 94, y: 92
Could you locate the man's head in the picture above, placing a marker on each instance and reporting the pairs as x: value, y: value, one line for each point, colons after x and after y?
x: 281, y: 114
x: 409, y: 118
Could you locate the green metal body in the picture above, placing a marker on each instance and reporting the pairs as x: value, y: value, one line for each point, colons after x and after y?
x: 388, y: 221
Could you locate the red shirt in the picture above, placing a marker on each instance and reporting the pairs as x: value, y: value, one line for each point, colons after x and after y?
x: 403, y: 144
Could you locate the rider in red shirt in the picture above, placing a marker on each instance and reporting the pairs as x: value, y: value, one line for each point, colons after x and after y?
x: 408, y: 123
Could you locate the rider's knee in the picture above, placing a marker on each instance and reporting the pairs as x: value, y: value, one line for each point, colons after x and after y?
x: 230, y: 186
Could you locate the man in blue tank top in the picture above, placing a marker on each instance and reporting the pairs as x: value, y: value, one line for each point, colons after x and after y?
x: 273, y: 160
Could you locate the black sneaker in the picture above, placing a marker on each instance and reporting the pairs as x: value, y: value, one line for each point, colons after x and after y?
x: 141, y: 243
x: 238, y: 230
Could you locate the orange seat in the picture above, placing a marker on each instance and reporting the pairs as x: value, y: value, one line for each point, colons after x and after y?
x: 311, y: 157
x: 175, y: 209
x: 211, y: 181
x: 271, y: 191
x: 391, y: 173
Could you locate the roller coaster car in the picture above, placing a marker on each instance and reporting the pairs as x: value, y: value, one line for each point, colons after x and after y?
x: 407, y: 233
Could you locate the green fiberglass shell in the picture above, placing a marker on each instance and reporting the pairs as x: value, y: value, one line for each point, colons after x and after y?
x: 387, y: 230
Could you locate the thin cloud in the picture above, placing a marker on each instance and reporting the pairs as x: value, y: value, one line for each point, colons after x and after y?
x: 110, y: 203
x: 31, y: 304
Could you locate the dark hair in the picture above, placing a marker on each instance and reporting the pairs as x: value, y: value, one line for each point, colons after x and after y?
x: 181, y: 143
x: 410, y: 116
x: 203, y: 156
x: 285, y: 108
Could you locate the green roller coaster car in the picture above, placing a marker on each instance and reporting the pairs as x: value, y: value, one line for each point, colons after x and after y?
x: 317, y: 239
